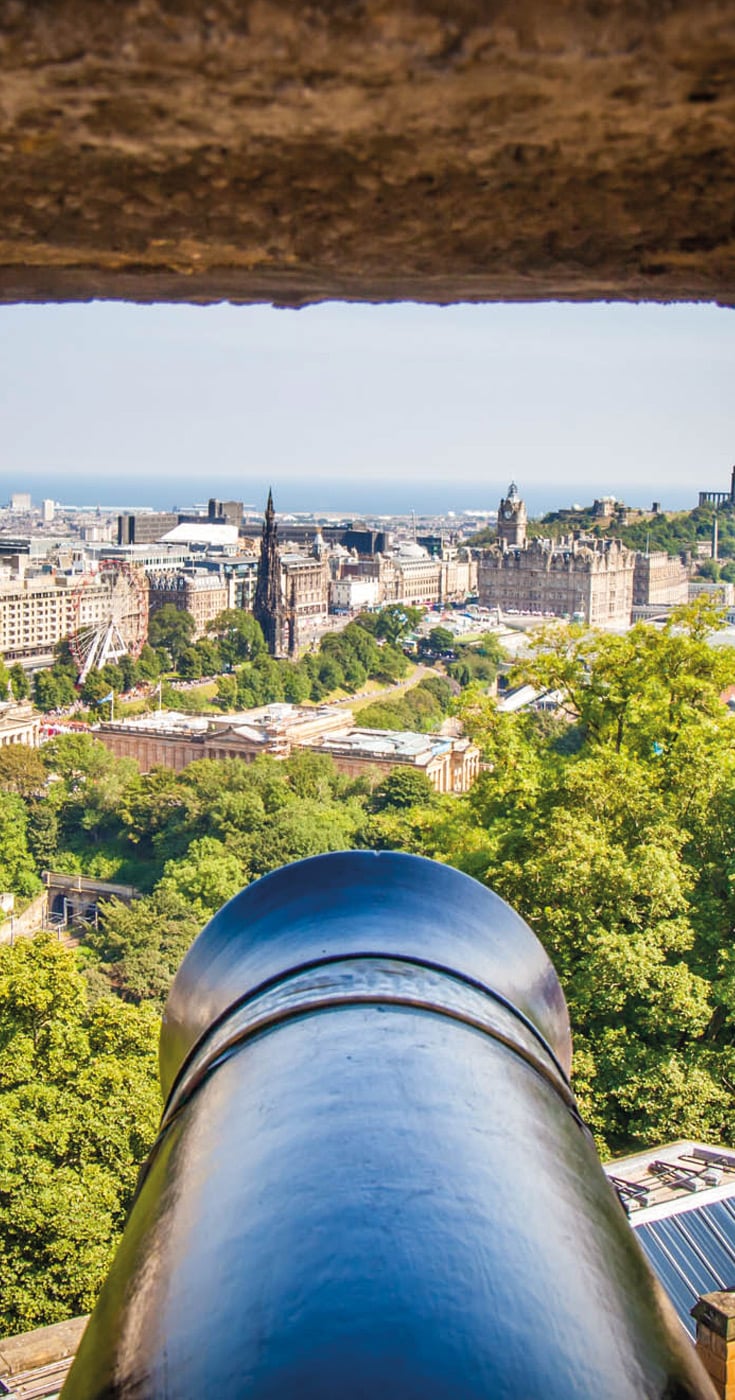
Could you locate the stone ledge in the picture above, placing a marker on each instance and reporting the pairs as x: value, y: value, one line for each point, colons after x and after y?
x: 440, y: 150
x: 44, y: 1346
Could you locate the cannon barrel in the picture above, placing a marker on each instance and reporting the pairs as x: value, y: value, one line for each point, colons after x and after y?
x: 371, y: 1178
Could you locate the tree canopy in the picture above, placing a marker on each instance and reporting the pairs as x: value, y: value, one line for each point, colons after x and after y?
x: 79, y: 1104
x: 171, y: 629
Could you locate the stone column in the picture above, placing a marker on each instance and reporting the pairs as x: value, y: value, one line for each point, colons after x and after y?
x: 715, y: 1317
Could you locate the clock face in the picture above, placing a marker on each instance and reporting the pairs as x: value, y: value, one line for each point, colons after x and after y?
x: 507, y: 512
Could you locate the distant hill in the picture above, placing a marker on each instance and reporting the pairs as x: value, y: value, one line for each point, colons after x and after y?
x: 673, y: 532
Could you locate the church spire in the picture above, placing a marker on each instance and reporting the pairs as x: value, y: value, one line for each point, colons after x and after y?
x: 268, y: 601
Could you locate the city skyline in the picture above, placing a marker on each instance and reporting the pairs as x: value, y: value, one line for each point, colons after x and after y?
x: 355, y: 407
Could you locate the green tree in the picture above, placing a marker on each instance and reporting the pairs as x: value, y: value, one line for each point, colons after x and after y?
x: 19, y: 681
x: 77, y: 757
x: 113, y: 676
x: 313, y: 775
x: 266, y: 674
x: 394, y: 621
x: 172, y: 630
x: 440, y: 639
x: 141, y: 945
x: 129, y: 673
x: 296, y: 684
x: 189, y: 663
x: 159, y: 816
x: 617, y: 851
x: 240, y: 636
x: 227, y: 692
x: 442, y: 690
x: 361, y: 644
x: 148, y: 664
x: 96, y: 687
x: 404, y: 787
x: 306, y: 828
x: 53, y: 690
x: 204, y: 879
x: 92, y: 791
x: 640, y: 688
x: 17, y: 871
x: 43, y: 832
x: 385, y: 714
x: 331, y: 674
x: 22, y: 770
x: 210, y: 657
x: 78, y: 1108
x: 392, y: 665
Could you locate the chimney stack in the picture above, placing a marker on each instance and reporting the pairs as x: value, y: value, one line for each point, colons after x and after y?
x: 715, y: 1318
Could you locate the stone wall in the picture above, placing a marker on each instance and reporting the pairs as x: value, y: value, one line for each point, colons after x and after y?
x: 440, y: 150
x: 31, y: 920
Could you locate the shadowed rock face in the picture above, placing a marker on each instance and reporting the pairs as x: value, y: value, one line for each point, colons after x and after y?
x: 371, y: 149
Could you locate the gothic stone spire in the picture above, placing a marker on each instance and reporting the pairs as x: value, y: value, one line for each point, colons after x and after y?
x: 268, y: 602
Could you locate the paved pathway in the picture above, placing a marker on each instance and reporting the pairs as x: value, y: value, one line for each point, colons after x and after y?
x: 390, y: 691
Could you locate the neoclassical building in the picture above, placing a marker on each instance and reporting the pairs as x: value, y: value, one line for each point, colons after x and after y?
x: 170, y: 740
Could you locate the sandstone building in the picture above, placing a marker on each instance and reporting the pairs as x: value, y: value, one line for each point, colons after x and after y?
x: 38, y: 611
x: 305, y: 586
x: 512, y: 519
x: 203, y: 593
x: 659, y: 580
x: 458, y: 575
x: 348, y: 594
x: 411, y: 575
x: 19, y: 724
x: 172, y: 741
x: 588, y: 579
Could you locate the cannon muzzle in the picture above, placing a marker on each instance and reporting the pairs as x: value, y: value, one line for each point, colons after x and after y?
x: 371, y: 1180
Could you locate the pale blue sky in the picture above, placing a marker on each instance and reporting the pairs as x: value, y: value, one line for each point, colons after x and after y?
x: 351, y: 406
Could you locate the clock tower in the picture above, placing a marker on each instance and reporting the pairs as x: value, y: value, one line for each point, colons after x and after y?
x: 512, y: 519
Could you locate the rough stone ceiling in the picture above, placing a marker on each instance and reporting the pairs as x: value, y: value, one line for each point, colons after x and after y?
x: 440, y: 150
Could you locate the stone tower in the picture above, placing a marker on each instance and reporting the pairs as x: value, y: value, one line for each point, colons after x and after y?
x: 268, y: 602
x: 512, y: 519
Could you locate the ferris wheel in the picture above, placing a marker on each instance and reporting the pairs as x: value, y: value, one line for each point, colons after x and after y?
x: 110, y: 616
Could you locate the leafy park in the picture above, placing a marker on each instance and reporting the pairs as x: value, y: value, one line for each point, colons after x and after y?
x: 233, y: 651
x: 609, y: 825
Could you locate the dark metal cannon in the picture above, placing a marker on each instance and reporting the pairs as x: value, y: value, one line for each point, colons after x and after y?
x: 371, y: 1178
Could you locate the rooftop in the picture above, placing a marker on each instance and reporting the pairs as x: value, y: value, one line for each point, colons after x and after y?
x: 162, y: 722
x: 257, y: 723
x: 203, y: 533
x: 278, y: 715
x: 681, y: 1203
x: 388, y: 743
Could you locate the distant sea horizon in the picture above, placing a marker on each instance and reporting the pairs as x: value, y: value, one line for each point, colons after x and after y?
x: 324, y: 495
